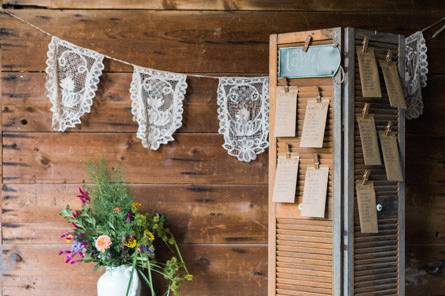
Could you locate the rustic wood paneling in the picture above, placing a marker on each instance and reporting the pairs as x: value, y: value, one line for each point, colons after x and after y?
x: 188, y: 41
x: 60, y: 158
x: 199, y: 213
x: 230, y: 5
x: 218, y: 271
x: 193, y: 41
x: 26, y: 108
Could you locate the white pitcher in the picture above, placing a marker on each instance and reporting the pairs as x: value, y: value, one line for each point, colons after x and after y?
x: 114, y: 282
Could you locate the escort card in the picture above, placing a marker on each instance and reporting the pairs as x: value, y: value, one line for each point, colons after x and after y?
x: 314, y: 123
x: 286, y: 112
x: 367, y: 207
x: 391, y: 157
x: 368, y: 137
x: 393, y: 84
x: 315, y: 189
x: 369, y: 73
x: 286, y: 179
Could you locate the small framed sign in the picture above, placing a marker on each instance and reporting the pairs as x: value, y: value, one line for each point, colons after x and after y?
x: 317, y: 61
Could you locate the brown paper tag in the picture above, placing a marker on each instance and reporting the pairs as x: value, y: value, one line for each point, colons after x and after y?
x: 286, y: 112
x: 367, y: 207
x: 393, y: 84
x: 391, y: 157
x: 314, y: 123
x: 286, y: 179
x: 369, y: 73
x: 368, y: 137
x: 315, y: 189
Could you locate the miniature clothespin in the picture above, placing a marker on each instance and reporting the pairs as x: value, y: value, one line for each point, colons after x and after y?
x: 318, y: 94
x: 388, y: 129
x: 366, y: 110
x: 365, y: 44
x: 307, y: 42
x: 389, y: 56
x: 286, y: 84
x: 366, y: 175
x: 316, y: 161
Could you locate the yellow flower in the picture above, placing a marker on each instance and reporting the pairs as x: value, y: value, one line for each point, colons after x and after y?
x: 150, y: 235
x: 188, y: 277
x: 136, y: 205
x: 130, y: 243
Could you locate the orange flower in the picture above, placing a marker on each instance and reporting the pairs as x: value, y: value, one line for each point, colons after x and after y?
x: 102, y: 243
x: 116, y: 210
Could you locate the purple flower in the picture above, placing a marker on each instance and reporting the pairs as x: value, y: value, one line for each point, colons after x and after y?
x: 83, y: 195
x: 77, y: 249
x: 129, y: 216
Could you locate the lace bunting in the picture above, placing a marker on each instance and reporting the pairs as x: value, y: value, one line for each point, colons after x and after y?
x: 156, y: 104
x: 416, y: 70
x: 72, y: 78
x: 243, y: 113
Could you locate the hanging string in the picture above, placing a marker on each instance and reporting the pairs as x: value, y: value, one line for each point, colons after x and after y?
x: 11, y: 14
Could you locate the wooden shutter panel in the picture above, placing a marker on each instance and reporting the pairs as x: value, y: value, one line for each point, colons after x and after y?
x: 374, y: 263
x: 304, y: 253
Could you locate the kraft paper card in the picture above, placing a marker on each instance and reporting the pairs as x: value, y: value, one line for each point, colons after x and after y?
x: 369, y: 73
x: 286, y: 112
x: 391, y: 157
x: 367, y: 207
x: 314, y: 123
x: 286, y: 179
x: 368, y: 137
x: 315, y: 190
x: 393, y: 84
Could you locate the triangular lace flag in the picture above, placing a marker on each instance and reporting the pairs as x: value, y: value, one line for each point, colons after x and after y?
x: 72, y: 78
x: 156, y: 104
x: 416, y: 70
x: 243, y: 113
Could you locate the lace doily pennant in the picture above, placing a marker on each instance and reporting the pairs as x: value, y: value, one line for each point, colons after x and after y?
x: 72, y: 77
x: 416, y: 70
x: 157, y: 105
x: 243, y: 113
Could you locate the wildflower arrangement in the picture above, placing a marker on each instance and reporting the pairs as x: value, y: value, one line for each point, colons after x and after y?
x: 110, y: 231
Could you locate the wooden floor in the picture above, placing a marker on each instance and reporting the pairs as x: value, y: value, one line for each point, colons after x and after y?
x: 218, y: 205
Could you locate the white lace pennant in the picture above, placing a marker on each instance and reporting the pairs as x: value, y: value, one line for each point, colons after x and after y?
x: 243, y: 113
x: 157, y: 105
x: 72, y: 78
x: 416, y: 70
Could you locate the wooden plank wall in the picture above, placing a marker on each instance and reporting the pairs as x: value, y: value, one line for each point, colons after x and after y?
x: 217, y: 204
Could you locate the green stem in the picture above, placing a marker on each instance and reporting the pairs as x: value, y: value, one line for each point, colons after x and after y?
x: 180, y: 257
x: 131, y: 276
x: 150, y: 278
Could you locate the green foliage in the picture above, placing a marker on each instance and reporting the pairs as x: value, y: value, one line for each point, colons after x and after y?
x: 109, y: 230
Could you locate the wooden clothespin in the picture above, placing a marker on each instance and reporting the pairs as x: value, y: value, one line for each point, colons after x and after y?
x: 389, y: 56
x: 365, y: 110
x: 289, y: 150
x: 316, y: 161
x: 366, y: 175
x: 365, y: 44
x: 318, y: 94
x: 307, y: 42
x: 286, y: 84
x: 388, y: 129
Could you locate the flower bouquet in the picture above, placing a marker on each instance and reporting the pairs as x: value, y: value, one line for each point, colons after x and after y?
x: 110, y: 231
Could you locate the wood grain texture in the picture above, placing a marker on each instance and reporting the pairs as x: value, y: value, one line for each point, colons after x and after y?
x: 26, y: 107
x: 235, y: 270
x: 188, y: 41
x: 61, y: 158
x: 231, y: 5
x: 198, y: 213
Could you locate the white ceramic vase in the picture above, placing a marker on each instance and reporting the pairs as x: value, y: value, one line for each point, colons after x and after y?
x: 114, y: 282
